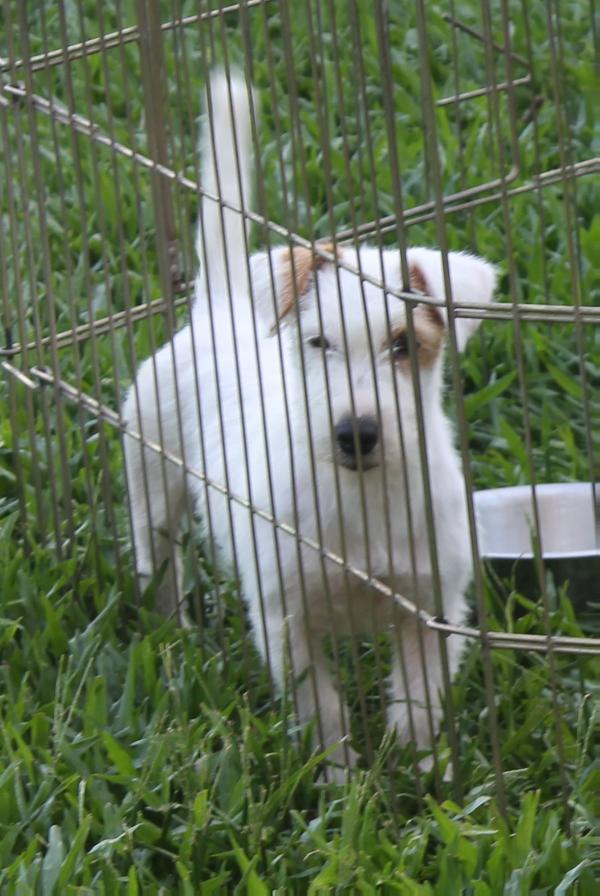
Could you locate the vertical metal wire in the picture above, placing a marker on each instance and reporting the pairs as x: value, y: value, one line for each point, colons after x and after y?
x: 98, y: 204
x: 356, y: 36
x: 130, y: 340
x: 16, y: 315
x: 154, y: 82
x: 442, y: 241
x: 161, y: 207
x: 322, y: 111
x: 52, y: 324
x: 31, y: 261
x: 552, y: 667
x: 387, y: 83
x: 571, y: 224
x: 211, y: 546
x: 259, y: 372
x: 49, y: 77
x: 206, y: 44
x: 301, y: 161
x: 184, y: 248
x: 327, y: 137
x: 153, y: 92
x: 236, y: 338
x: 262, y: 205
x: 519, y: 351
x: 8, y: 329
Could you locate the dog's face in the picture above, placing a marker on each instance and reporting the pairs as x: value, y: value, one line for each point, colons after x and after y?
x: 355, y: 351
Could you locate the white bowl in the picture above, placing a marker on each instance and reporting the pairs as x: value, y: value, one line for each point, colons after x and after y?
x: 568, y: 520
x: 569, y: 530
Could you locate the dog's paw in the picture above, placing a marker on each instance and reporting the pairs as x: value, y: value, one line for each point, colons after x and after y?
x: 335, y: 774
x: 426, y: 765
x: 339, y: 765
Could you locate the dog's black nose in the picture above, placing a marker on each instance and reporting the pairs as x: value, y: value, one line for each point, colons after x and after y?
x: 357, y: 435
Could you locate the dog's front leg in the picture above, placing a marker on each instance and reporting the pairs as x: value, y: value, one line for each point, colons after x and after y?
x: 295, y: 655
x: 416, y: 682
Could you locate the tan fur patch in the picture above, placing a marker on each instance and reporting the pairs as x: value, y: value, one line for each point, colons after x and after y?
x: 429, y: 335
x: 430, y: 331
x: 296, y: 275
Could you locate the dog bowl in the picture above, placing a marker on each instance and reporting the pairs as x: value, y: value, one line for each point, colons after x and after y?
x: 569, y: 529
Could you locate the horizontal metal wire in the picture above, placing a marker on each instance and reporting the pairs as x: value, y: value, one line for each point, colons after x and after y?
x: 89, y: 47
x: 472, y: 32
x: 496, y: 640
x: 501, y: 87
x: 550, y: 314
x: 103, y: 325
x: 416, y: 214
x: 114, y: 39
x: 454, y: 203
x: 460, y: 201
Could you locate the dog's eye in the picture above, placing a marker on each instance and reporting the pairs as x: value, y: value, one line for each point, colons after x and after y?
x: 318, y: 342
x: 400, y: 346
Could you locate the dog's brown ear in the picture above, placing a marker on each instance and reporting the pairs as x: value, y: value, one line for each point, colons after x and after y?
x: 280, y: 280
x: 417, y: 280
x: 297, y: 270
x: 430, y: 323
x: 472, y: 281
x: 431, y: 314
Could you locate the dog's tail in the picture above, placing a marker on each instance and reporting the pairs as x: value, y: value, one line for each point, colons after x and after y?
x: 226, y: 151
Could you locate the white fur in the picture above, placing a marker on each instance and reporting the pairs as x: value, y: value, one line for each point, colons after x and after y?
x: 226, y: 137
x: 268, y: 436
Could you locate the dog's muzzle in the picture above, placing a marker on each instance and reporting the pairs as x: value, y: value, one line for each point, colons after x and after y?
x: 356, y: 439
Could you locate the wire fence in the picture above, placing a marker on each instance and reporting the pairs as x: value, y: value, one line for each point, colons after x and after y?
x: 381, y: 125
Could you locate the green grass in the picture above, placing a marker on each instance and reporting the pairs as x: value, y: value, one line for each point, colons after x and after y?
x: 135, y: 758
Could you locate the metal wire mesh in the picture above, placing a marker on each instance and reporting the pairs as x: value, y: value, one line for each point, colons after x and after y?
x: 386, y: 123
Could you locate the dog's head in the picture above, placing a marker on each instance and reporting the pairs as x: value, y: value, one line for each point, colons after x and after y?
x: 353, y: 347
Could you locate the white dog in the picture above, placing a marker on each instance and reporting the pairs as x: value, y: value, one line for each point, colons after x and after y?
x: 291, y: 390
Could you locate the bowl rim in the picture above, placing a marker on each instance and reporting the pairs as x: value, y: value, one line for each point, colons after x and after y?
x: 482, y: 494
x: 548, y: 555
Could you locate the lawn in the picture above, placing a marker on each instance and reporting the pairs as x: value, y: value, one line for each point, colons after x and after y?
x: 139, y: 758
